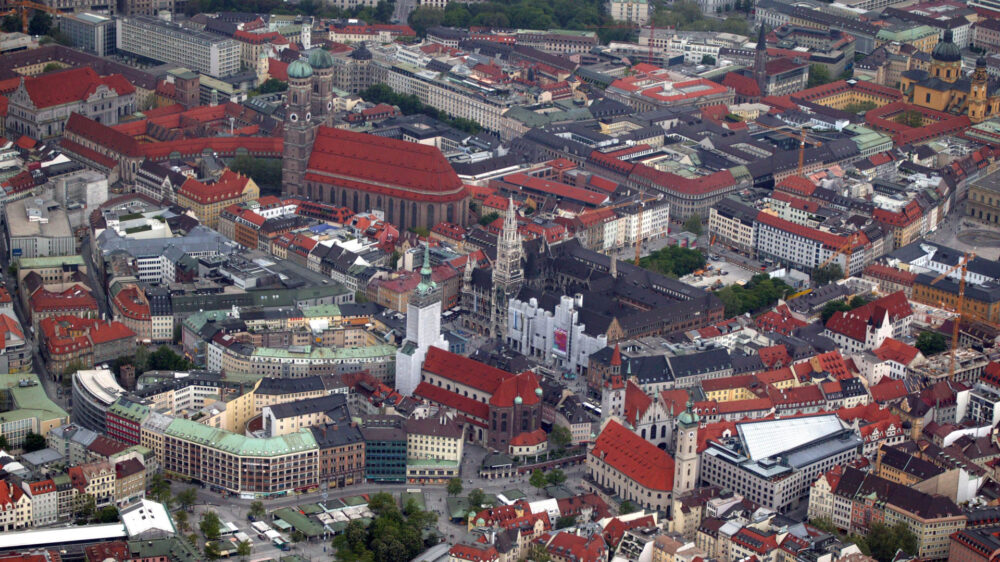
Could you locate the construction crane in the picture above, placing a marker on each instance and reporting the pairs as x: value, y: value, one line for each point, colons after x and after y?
x: 24, y: 6
x: 846, y: 250
x: 963, y: 264
x: 801, y: 137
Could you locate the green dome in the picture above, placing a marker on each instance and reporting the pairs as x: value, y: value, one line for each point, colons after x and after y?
x: 299, y: 69
x: 480, y: 522
x: 320, y: 59
x: 946, y: 50
x: 538, y: 392
x: 518, y: 400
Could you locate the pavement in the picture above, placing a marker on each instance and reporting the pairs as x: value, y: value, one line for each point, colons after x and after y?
x: 235, y: 509
x: 964, y: 234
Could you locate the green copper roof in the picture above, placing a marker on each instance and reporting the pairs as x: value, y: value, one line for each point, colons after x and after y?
x: 241, y: 445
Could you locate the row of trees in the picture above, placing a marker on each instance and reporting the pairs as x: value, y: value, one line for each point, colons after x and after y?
x: 32, y: 442
x: 409, y: 104
x: 833, y: 307
x: 882, y: 542
x: 687, y: 16
x: 761, y: 292
x: 523, y: 14
x: 381, y: 13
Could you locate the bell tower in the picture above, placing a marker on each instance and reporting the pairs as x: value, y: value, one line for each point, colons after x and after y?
x: 686, y: 454
x: 322, y: 95
x: 977, y: 92
x: 299, y: 131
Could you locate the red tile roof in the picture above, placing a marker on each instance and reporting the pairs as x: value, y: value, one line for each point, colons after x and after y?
x: 895, y: 350
x: 463, y: 370
x: 556, y: 189
x: 523, y: 386
x: 230, y: 185
x: 77, y: 84
x: 89, y: 154
x: 75, y: 298
x: 888, y: 390
x: 132, y: 303
x: 742, y: 85
x: 828, y: 239
x: 454, y: 400
x: 854, y: 323
x: 529, y: 438
x: 634, y: 457
x: 102, y: 135
x: 891, y: 274
x: 797, y: 184
x: 383, y: 166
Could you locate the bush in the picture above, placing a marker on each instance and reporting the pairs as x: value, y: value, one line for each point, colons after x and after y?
x: 931, y: 343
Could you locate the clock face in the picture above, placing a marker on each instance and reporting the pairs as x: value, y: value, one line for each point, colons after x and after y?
x: 329, y: 105
x: 293, y: 117
x: 308, y: 116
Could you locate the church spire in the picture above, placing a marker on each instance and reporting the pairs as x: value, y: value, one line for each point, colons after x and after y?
x: 760, y: 61
x: 426, y: 283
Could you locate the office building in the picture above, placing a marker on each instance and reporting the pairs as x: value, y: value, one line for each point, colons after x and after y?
x: 158, y: 40
x: 89, y: 32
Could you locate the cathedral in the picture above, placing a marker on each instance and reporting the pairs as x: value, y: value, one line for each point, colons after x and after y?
x: 414, y: 185
x: 943, y: 88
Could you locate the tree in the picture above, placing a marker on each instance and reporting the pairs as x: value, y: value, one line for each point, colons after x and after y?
x: 11, y: 23
x: 257, y: 509
x: 210, y: 525
x: 297, y: 536
x: 833, y: 307
x: 759, y: 293
x: 538, y: 553
x: 626, y: 507
x: 565, y: 521
x: 107, y: 515
x: 930, y: 343
x: 454, y: 486
x: 33, y: 442
x: 383, y: 11
x: 818, y: 75
x: 159, y: 489
x: 72, y: 367
x: 476, y: 498
x: 85, y: 508
x: 857, y: 301
x: 212, y: 551
x: 910, y: 118
x: 424, y: 18
x: 555, y: 477
x: 187, y: 497
x: 488, y: 218
x: 826, y: 275
x: 51, y: 67
x: 538, y: 479
x: 859, y: 107
x: 177, y: 334
x: 269, y: 86
x: 4, y: 444
x: 708, y: 59
x: 882, y: 541
x: 166, y: 359
x: 181, y: 518
x: 561, y: 437
x: 265, y: 172
x: 243, y: 549
x: 674, y: 261
x: 693, y: 224
x: 40, y: 24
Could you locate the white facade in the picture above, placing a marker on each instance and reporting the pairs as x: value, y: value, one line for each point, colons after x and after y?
x: 874, y: 336
x: 556, y: 337
x: 44, y: 505
x: 423, y: 330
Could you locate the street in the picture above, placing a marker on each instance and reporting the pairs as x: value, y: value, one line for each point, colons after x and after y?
x: 403, y: 9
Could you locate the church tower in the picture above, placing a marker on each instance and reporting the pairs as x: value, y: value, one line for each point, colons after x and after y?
x: 946, y: 60
x: 686, y: 454
x: 322, y: 96
x: 423, y: 330
x: 299, y: 131
x: 977, y: 93
x: 760, y: 62
x: 507, y: 272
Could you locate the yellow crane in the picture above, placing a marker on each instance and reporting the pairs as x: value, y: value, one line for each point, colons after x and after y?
x: 846, y: 250
x: 24, y: 6
x: 963, y: 264
x: 802, y: 141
